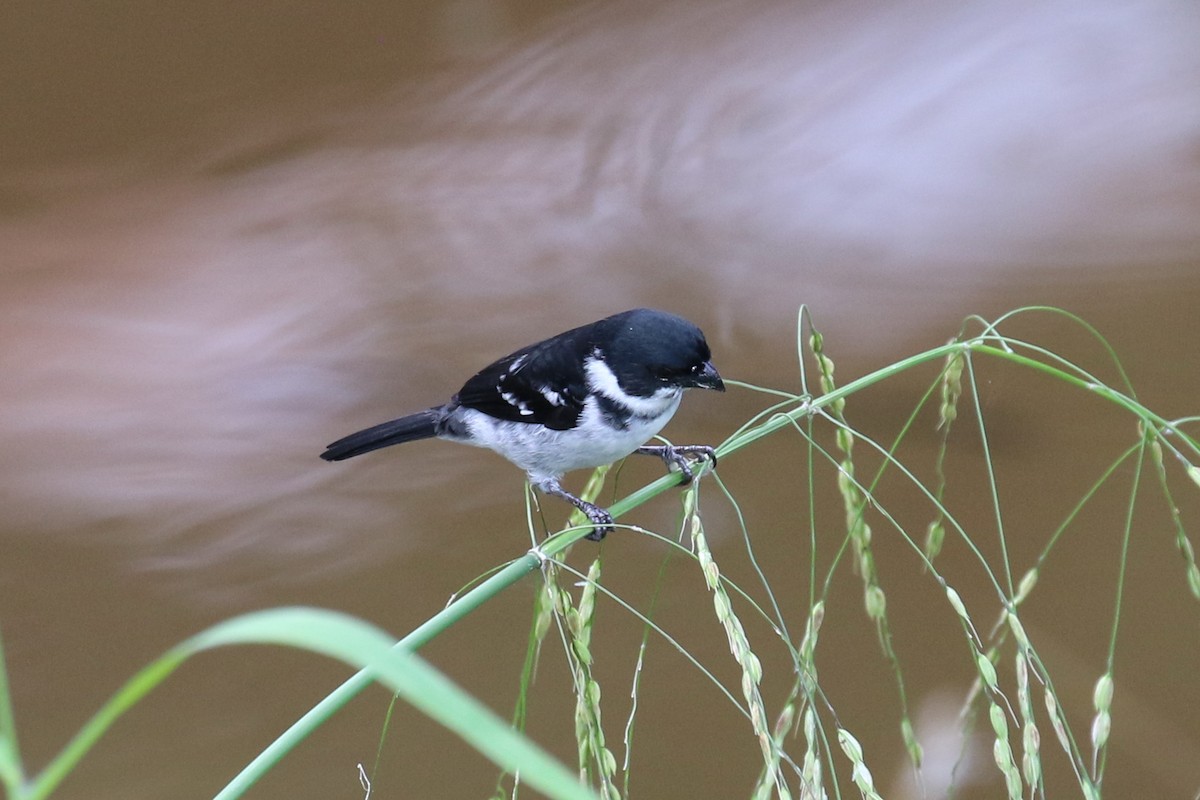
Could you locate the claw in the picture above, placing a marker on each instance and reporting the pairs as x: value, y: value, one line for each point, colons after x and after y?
x: 677, y: 455
x: 601, y: 520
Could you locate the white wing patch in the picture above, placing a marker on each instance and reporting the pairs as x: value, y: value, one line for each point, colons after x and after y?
x: 516, y: 402
x: 508, y: 397
x: 552, y: 396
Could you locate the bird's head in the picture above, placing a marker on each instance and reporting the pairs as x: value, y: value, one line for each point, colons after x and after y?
x: 650, y: 350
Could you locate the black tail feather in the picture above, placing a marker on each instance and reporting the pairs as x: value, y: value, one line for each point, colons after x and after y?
x: 421, y: 425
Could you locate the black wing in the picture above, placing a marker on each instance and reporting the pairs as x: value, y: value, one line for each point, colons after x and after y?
x: 544, y: 383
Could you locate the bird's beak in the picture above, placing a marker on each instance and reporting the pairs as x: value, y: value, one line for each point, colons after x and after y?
x: 709, y: 378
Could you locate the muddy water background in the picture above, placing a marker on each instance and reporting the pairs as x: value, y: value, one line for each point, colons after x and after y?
x: 228, y: 236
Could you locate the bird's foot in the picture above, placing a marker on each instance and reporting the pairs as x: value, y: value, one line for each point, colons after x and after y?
x: 599, y: 517
x: 601, y: 520
x: 679, y: 455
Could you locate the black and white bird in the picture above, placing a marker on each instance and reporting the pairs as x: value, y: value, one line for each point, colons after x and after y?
x: 583, y: 398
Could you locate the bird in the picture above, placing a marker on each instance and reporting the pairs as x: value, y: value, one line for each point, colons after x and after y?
x: 584, y: 398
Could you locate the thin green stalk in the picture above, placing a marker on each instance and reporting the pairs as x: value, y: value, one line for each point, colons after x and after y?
x: 635, y: 690
x: 1191, y: 571
x: 993, y: 486
x: 387, y: 724
x: 12, y: 773
x: 1103, y: 696
x: 778, y: 622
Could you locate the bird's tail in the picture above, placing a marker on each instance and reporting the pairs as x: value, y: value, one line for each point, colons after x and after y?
x: 421, y: 425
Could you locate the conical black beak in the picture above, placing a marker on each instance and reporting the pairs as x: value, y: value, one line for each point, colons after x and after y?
x: 709, y: 378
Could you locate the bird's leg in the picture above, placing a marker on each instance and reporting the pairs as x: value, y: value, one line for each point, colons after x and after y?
x: 676, y: 455
x: 600, y: 519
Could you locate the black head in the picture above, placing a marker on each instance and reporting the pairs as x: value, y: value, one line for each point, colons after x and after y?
x: 650, y: 350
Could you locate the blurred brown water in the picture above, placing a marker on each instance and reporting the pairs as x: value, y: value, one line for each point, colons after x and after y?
x: 231, y: 235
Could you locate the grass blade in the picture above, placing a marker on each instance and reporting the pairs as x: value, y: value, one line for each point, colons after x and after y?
x: 358, y: 644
